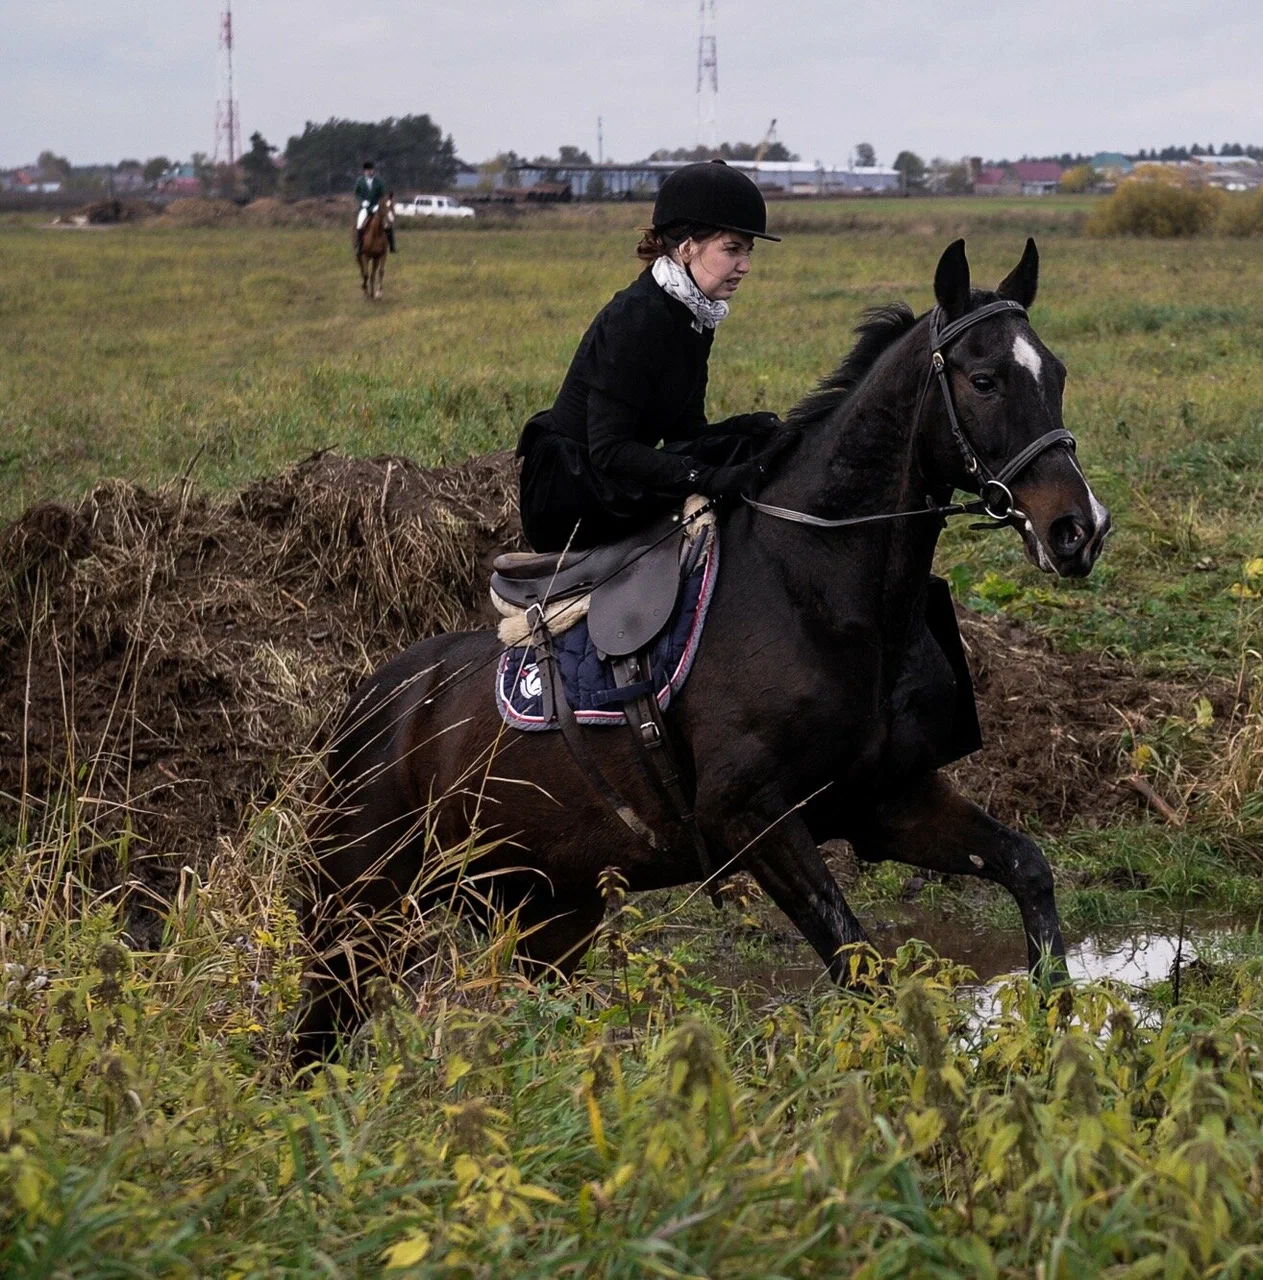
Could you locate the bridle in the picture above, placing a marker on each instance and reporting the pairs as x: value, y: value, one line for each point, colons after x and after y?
x: 995, y: 498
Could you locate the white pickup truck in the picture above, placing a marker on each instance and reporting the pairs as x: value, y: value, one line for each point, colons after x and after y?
x: 432, y: 207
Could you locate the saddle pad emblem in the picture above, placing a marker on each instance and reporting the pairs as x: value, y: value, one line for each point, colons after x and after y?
x: 531, y: 685
x: 589, y: 679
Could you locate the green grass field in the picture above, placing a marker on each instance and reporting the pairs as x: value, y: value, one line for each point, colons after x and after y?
x: 647, y: 1119
x: 132, y: 352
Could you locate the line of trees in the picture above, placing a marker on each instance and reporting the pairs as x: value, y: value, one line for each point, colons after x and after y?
x: 727, y: 151
x: 1193, y: 152
x: 410, y: 152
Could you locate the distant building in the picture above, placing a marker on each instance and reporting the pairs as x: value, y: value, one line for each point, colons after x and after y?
x: 793, y: 177
x: 467, y: 177
x: 180, y: 180
x: 129, y: 179
x: 1113, y: 166
x: 1037, y: 177
x: 642, y: 180
x: 1230, y: 173
x: 581, y: 181
x: 1025, y: 178
x: 29, y: 182
x: 995, y: 181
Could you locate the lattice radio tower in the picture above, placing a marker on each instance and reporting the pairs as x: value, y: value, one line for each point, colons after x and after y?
x: 707, y: 78
x: 227, y: 109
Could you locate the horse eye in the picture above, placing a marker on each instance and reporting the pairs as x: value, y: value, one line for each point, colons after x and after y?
x: 982, y: 383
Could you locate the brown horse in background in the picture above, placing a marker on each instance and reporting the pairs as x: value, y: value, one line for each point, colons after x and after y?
x: 373, y: 246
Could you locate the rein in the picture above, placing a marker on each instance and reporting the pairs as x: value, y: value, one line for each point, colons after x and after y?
x: 995, y: 499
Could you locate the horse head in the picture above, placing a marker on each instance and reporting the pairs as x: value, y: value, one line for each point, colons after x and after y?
x: 998, y: 429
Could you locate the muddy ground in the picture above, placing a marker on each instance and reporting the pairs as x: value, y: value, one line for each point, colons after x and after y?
x: 165, y: 656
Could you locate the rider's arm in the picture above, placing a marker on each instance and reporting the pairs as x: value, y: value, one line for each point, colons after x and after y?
x: 692, y: 421
x: 614, y: 449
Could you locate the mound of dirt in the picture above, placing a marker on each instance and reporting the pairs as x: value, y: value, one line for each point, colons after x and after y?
x: 104, y: 213
x: 196, y: 211
x: 328, y: 211
x: 1056, y: 725
x: 169, y: 652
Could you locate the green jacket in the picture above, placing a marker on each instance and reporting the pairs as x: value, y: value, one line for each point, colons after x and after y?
x: 370, y: 189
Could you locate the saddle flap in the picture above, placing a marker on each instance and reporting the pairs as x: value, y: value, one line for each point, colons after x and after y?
x: 526, y: 578
x: 633, y: 606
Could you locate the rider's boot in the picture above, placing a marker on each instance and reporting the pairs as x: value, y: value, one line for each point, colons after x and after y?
x: 390, y: 236
x: 359, y: 242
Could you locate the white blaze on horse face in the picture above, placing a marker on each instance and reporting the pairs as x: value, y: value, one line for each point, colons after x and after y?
x: 1028, y: 357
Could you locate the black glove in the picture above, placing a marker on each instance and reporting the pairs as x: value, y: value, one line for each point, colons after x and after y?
x: 759, y: 426
x: 781, y: 439
x: 732, y: 482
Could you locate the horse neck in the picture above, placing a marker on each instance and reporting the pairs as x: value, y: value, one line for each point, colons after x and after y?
x: 864, y: 458
x: 375, y: 230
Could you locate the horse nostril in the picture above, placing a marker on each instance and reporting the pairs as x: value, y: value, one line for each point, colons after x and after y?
x: 1066, y: 535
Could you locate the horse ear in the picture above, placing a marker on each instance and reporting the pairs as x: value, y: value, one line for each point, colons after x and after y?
x: 1022, y: 283
x: 951, y: 281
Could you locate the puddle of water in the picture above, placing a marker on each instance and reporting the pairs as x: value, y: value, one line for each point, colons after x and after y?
x: 1137, y: 959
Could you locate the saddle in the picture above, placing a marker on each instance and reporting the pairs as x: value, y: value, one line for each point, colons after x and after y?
x: 627, y: 591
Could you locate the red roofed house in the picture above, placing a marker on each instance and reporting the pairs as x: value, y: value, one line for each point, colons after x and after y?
x: 1038, y: 177
x: 1026, y: 178
x: 994, y: 181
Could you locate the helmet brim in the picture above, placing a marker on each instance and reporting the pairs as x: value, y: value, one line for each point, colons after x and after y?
x: 723, y: 226
x: 745, y: 231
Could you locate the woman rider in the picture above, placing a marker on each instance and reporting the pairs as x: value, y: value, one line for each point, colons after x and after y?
x: 591, y: 469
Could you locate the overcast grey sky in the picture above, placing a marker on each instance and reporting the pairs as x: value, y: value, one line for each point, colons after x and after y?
x: 103, y: 79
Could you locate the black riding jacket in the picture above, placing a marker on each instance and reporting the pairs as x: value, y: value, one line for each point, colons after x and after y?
x: 639, y: 376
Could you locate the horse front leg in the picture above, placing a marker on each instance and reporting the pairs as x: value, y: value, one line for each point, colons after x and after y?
x: 777, y: 849
x: 932, y: 825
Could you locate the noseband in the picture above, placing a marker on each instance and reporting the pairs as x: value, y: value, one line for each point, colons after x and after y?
x: 995, y: 499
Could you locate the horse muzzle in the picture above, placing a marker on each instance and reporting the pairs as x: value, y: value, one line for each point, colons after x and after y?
x: 1069, y: 544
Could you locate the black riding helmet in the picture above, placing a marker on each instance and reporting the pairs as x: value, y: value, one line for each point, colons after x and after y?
x: 713, y: 195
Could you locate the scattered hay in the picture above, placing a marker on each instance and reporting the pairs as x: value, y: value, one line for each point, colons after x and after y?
x: 173, y: 652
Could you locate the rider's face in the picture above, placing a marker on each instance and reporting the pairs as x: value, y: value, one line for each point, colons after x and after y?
x: 719, y: 263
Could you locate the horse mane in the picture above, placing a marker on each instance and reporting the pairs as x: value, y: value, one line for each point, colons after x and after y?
x: 878, y: 329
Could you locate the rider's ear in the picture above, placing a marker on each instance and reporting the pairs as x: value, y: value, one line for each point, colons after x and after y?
x: 1022, y: 283
x: 951, y: 281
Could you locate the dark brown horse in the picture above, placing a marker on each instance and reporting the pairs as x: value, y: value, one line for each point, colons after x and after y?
x: 373, y: 247
x: 819, y: 705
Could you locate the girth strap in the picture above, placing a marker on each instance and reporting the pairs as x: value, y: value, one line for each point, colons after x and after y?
x: 659, y: 762
x: 555, y: 698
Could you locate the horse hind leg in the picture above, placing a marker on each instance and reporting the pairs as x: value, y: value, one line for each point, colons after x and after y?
x: 557, y: 934
x: 368, y: 850
x: 932, y: 825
